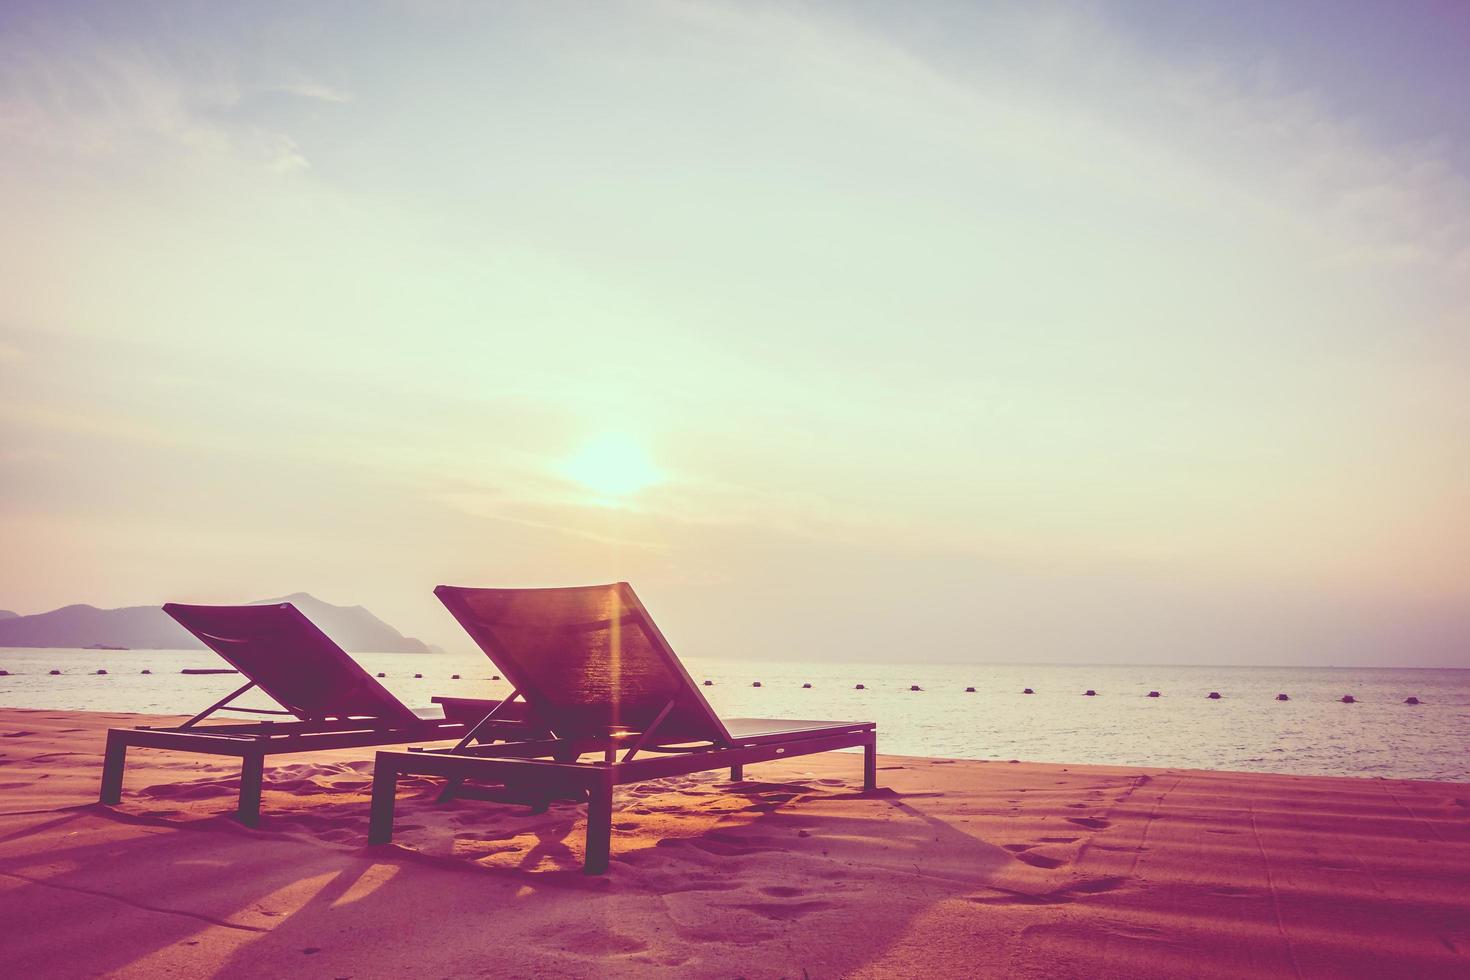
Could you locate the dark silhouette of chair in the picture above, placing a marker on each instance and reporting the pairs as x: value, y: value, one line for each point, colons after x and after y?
x: 597, y: 674
x: 333, y: 702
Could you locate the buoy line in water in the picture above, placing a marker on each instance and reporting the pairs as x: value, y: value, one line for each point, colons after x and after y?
x: 806, y: 685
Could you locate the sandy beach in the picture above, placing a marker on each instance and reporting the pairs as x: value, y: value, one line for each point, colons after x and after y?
x: 952, y: 868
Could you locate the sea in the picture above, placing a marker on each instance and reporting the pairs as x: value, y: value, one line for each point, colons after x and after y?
x: 1245, y: 729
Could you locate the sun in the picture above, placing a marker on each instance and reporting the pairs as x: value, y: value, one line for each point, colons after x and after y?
x: 612, y: 465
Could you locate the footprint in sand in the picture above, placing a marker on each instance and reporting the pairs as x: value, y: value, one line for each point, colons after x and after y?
x: 785, y: 911
x: 724, y: 849
x: 1096, y: 886
x: 1040, y: 860
x: 1019, y: 898
x: 782, y: 891
x: 338, y: 836
x: 663, y: 878
x: 592, y: 942
x: 1091, y: 823
x: 1060, y: 896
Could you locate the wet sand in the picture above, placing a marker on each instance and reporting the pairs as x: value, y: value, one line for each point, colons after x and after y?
x: 951, y: 869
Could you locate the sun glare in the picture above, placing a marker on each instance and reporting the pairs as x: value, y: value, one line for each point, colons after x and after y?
x: 612, y: 465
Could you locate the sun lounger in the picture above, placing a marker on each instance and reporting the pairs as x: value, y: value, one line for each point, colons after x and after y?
x: 332, y: 703
x: 595, y: 671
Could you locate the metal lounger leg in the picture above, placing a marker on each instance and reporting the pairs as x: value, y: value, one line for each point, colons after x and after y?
x: 252, y: 771
x: 451, y: 788
x: 385, y: 792
x: 112, y: 768
x: 599, y: 823
x: 870, y: 763
x: 737, y: 773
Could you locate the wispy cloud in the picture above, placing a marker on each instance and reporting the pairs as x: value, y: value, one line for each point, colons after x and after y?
x: 1064, y: 79
x: 88, y: 94
x: 313, y: 90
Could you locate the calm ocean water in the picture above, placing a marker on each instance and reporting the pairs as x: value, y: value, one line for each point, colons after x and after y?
x: 1247, y: 729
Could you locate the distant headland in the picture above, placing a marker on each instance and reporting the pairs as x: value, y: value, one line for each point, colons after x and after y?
x: 150, y: 628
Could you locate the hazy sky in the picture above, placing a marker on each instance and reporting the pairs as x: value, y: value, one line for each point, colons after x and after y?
x: 1125, y: 332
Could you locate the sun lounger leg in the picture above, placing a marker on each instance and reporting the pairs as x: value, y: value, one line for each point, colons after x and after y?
x: 870, y: 764
x: 599, y: 824
x: 737, y: 773
x: 451, y: 787
x: 252, y: 769
x: 385, y: 792
x: 112, y: 768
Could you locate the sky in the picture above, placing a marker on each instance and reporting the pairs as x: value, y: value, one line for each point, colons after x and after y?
x: 927, y: 332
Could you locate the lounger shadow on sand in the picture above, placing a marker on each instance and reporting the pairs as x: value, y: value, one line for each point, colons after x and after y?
x: 332, y: 702
x: 595, y: 671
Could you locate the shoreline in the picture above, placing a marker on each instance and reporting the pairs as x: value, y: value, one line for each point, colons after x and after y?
x: 953, y: 866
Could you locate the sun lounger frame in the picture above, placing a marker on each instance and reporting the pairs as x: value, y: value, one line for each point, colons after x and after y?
x: 540, y: 771
x: 252, y: 741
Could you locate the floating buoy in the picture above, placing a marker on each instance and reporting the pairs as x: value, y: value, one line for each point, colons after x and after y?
x: 969, y: 690
x: 454, y: 677
x: 55, y: 672
x: 1282, y: 697
x: 915, y: 687
x: 1349, y: 699
x: 755, y: 684
x: 4, y: 673
x: 1408, y: 700
x: 147, y: 671
x: 381, y: 674
x: 1089, y: 693
x: 709, y: 683
x: 100, y: 671
x: 858, y: 687
x: 495, y: 677
x: 1154, y: 694
x: 1214, y: 695
x: 418, y: 677
x: 1028, y: 691
x: 806, y: 687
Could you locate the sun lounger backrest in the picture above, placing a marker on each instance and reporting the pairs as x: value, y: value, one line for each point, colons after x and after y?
x: 291, y: 660
x: 588, y: 660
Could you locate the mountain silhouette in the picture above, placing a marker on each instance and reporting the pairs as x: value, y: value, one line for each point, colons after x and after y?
x: 149, y: 628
